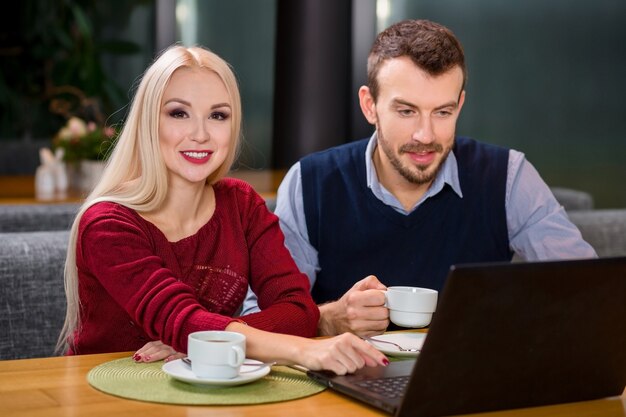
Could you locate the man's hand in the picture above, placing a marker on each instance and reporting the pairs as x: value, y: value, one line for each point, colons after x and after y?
x: 361, y: 310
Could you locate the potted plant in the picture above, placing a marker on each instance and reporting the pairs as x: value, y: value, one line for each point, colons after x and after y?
x: 86, y: 146
x: 51, y: 50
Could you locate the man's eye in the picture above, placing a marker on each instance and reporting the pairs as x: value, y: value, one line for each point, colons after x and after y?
x: 405, y: 112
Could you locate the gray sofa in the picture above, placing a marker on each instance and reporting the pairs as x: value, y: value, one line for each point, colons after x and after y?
x: 32, y: 306
x: 573, y: 199
x: 37, y: 217
x: 33, y: 245
x: 604, y: 229
x: 32, y: 297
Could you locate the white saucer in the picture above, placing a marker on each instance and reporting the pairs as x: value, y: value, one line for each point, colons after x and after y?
x: 247, y: 373
x: 406, y: 340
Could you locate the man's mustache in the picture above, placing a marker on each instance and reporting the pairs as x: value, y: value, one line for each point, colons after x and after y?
x: 421, y: 148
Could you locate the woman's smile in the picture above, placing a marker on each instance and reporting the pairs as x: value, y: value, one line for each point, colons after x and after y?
x: 197, y: 157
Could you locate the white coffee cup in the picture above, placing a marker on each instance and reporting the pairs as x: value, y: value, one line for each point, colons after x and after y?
x: 216, y: 354
x: 410, y: 306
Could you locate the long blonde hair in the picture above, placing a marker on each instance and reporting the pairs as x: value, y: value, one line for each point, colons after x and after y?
x: 135, y: 175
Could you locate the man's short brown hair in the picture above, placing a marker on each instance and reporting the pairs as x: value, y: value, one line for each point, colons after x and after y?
x: 431, y: 46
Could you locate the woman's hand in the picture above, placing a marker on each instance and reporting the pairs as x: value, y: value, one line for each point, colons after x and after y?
x: 155, y: 351
x: 341, y: 354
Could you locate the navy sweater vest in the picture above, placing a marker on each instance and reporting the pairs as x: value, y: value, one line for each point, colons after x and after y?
x: 356, y: 235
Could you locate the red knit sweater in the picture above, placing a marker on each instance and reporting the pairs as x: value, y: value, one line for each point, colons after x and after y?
x: 135, y: 286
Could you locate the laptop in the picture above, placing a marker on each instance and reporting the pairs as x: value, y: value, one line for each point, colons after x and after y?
x: 510, y: 335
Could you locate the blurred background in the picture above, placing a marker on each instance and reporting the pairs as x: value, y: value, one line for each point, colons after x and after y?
x: 545, y: 77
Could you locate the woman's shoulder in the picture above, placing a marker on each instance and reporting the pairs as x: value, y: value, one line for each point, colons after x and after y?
x: 107, y: 208
x: 235, y: 195
x: 236, y: 188
x: 109, y: 211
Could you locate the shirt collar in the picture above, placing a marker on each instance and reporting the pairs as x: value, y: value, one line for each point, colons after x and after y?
x: 449, y: 174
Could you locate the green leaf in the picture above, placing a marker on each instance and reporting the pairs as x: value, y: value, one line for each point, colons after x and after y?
x: 62, y: 37
x: 82, y: 21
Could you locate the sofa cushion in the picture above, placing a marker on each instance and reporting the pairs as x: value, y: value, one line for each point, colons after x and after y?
x: 32, y: 295
x: 604, y: 229
x: 37, y: 217
x: 572, y: 199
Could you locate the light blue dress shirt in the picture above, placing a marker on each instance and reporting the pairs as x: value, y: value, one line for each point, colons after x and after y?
x: 537, y: 224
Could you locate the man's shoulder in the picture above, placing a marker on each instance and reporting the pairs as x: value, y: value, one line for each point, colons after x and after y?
x: 354, y: 148
x: 472, y: 151
x: 345, y: 161
x: 466, y: 144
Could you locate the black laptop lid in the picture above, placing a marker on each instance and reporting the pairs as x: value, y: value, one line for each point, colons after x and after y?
x: 523, y: 334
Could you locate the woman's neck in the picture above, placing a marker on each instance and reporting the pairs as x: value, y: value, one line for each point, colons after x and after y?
x: 185, y: 210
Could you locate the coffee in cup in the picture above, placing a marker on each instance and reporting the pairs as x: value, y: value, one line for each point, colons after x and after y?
x: 410, y: 306
x: 216, y: 354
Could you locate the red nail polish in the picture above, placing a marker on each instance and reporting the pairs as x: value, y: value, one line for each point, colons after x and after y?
x: 136, y: 357
x: 385, y: 361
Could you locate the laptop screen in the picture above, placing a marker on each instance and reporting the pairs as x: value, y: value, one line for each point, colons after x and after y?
x: 511, y: 335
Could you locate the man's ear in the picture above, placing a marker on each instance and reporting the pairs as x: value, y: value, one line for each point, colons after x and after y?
x: 368, y: 105
x: 461, y: 100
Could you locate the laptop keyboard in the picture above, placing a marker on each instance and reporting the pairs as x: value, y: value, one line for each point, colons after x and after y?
x: 393, y: 387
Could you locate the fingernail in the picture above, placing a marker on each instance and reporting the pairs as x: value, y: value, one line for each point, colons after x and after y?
x: 385, y: 361
x: 136, y: 357
x: 166, y: 360
x: 147, y: 358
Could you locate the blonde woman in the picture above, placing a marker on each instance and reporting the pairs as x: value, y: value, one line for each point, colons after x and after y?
x: 165, y: 246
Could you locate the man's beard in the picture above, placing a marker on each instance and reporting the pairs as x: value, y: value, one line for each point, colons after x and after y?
x: 425, y: 174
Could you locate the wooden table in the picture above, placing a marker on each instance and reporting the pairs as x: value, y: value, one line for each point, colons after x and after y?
x: 20, y: 189
x: 58, y: 387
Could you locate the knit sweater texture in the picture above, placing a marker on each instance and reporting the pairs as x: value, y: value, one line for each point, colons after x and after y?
x: 135, y: 286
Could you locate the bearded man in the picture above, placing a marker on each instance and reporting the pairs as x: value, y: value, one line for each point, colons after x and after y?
x: 401, y: 207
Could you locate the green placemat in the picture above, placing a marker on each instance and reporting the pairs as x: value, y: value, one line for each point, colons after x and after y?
x: 147, y: 382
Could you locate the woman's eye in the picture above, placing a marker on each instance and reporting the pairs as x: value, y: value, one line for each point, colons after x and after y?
x: 218, y: 115
x: 178, y: 114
